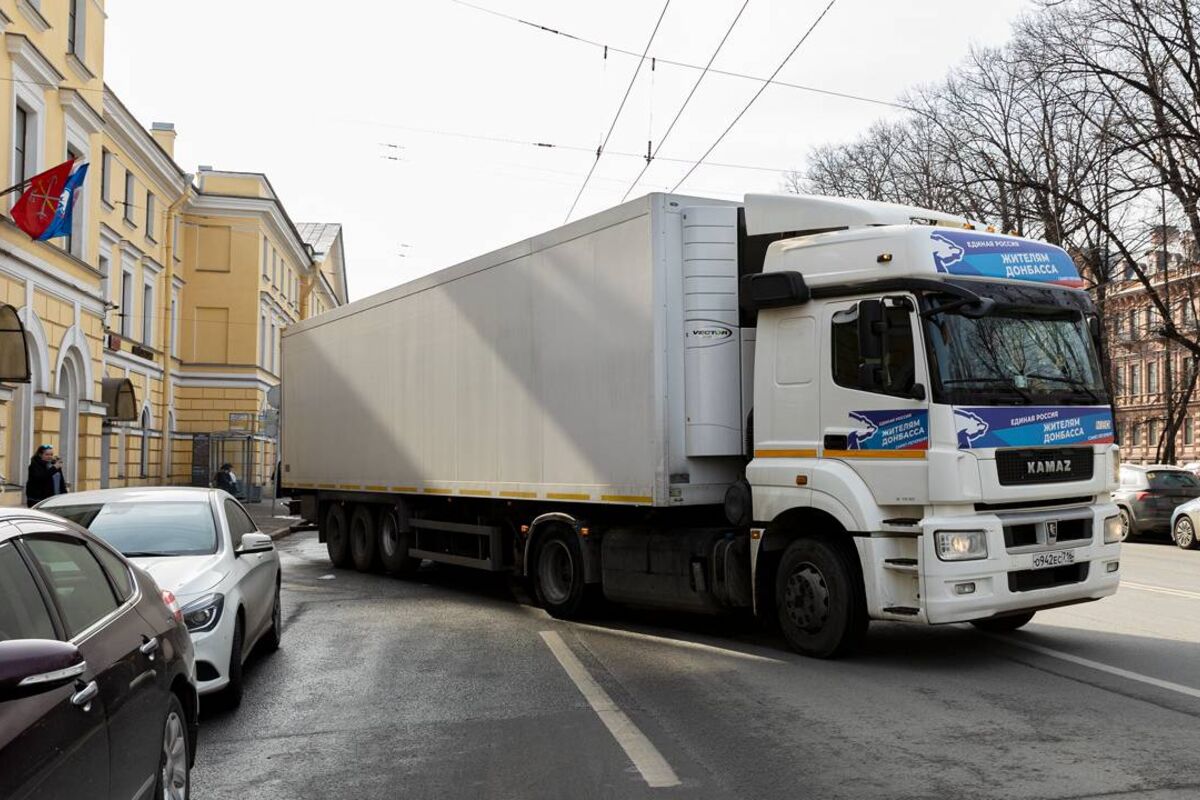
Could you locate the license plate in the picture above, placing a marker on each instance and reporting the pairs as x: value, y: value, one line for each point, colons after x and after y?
x: 1056, y: 558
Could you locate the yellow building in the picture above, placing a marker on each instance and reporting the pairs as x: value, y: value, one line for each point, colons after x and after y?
x: 179, y: 284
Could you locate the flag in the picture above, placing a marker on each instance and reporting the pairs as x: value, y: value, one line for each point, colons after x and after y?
x: 61, y: 224
x: 37, y: 208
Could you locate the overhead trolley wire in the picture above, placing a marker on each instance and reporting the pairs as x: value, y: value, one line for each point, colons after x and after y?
x: 767, y: 82
x: 651, y: 156
x: 681, y: 64
x: 617, y: 116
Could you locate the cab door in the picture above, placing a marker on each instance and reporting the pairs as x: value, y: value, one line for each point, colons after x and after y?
x: 874, y: 411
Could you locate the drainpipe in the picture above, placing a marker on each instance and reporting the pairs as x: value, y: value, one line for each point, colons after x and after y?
x: 165, y: 453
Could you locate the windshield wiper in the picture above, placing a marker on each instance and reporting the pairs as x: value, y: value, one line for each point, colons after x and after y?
x: 1009, y: 382
x: 1074, y: 383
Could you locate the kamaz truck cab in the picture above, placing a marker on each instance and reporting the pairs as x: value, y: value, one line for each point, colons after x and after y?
x: 931, y: 388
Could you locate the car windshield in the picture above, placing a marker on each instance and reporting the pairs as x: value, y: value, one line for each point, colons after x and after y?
x: 1016, y: 356
x: 1172, y: 479
x: 148, y: 528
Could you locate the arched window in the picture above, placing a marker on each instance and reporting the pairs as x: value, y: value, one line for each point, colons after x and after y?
x: 145, y: 469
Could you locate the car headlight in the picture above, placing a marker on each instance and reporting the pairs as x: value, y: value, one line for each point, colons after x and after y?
x: 961, y: 545
x: 1112, y: 529
x: 203, y: 613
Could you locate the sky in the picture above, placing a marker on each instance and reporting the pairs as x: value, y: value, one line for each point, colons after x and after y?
x: 410, y: 121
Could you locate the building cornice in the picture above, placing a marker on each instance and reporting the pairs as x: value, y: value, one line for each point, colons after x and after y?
x: 140, y: 147
x: 31, y: 13
x: 29, y: 58
x: 78, y: 110
x: 259, y: 207
x: 79, y: 68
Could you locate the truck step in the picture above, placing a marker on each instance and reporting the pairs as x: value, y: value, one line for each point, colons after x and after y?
x: 901, y: 564
x: 907, y: 611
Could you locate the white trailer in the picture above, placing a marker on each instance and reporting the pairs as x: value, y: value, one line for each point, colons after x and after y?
x: 926, y: 436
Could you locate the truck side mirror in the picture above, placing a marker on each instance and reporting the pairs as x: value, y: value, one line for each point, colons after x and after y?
x: 872, y: 330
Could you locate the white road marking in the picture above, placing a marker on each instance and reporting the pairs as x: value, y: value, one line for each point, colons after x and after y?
x: 684, y: 643
x: 1099, y: 667
x: 1145, y: 587
x: 645, y: 756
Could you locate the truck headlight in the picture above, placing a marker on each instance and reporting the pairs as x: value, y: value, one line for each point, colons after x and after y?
x: 961, y: 545
x: 1112, y: 529
x: 203, y: 613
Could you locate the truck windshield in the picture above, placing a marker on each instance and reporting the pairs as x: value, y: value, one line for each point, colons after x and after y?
x: 1015, y: 355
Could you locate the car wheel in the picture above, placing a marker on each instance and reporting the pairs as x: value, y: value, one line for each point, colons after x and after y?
x: 1185, y: 533
x: 393, y: 546
x: 275, y: 635
x: 363, y: 539
x: 337, y: 536
x: 1002, y: 624
x: 237, y: 684
x: 174, y: 774
x: 1128, y: 528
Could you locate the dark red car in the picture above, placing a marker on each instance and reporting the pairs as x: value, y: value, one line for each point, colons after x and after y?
x: 97, y: 687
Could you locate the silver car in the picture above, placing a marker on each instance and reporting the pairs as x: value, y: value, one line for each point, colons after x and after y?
x: 202, y: 546
x: 1185, y: 521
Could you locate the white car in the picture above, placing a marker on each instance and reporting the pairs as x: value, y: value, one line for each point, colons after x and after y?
x: 1185, y: 524
x: 202, y: 546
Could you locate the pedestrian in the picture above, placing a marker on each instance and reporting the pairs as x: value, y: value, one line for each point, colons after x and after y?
x: 45, y: 476
x: 226, y: 479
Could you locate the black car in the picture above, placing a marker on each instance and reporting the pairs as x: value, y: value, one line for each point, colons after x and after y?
x: 97, y: 688
x: 1149, y: 495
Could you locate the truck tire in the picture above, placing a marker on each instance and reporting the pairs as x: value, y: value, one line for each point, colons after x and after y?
x: 364, y: 539
x: 820, y: 600
x: 337, y: 536
x: 558, y: 574
x: 1003, y: 624
x: 394, y: 544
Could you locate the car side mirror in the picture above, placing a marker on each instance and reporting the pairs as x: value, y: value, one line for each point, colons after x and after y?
x: 33, y: 666
x: 255, y: 543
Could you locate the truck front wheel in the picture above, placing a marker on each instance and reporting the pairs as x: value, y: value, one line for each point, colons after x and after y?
x: 821, y: 606
x: 337, y: 536
x: 558, y: 574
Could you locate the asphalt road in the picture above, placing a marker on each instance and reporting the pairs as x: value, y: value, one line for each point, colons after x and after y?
x: 451, y: 685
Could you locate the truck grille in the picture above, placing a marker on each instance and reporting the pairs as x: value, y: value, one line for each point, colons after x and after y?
x: 1027, y: 580
x: 1026, y: 534
x: 1044, y: 465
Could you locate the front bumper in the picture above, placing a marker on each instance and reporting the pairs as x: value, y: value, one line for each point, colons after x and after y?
x: 1005, y: 582
x: 213, y: 648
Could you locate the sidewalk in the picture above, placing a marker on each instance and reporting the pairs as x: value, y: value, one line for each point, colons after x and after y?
x: 271, y: 516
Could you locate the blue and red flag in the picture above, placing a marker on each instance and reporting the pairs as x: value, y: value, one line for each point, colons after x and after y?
x: 44, y: 210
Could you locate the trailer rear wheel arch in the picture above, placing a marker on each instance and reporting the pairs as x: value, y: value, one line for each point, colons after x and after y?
x: 793, y: 524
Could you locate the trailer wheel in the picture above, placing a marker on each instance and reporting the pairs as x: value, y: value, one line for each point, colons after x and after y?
x: 820, y: 602
x: 558, y: 574
x: 337, y: 537
x: 364, y: 539
x: 394, y: 544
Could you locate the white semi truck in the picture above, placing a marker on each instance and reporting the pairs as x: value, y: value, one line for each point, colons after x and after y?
x: 824, y: 410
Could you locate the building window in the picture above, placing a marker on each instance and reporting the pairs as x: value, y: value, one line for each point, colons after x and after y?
x: 21, y: 145
x: 129, y: 197
x: 149, y: 216
x: 106, y: 177
x: 265, y: 271
x: 1152, y: 377
x: 1187, y: 430
x: 126, y: 304
x: 1152, y: 434
x: 148, y: 315
x: 1135, y: 379
x: 145, y: 465
x: 271, y: 345
x: 1135, y: 434
x: 76, y: 13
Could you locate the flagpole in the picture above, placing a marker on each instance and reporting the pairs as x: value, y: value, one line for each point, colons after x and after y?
x: 12, y: 189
